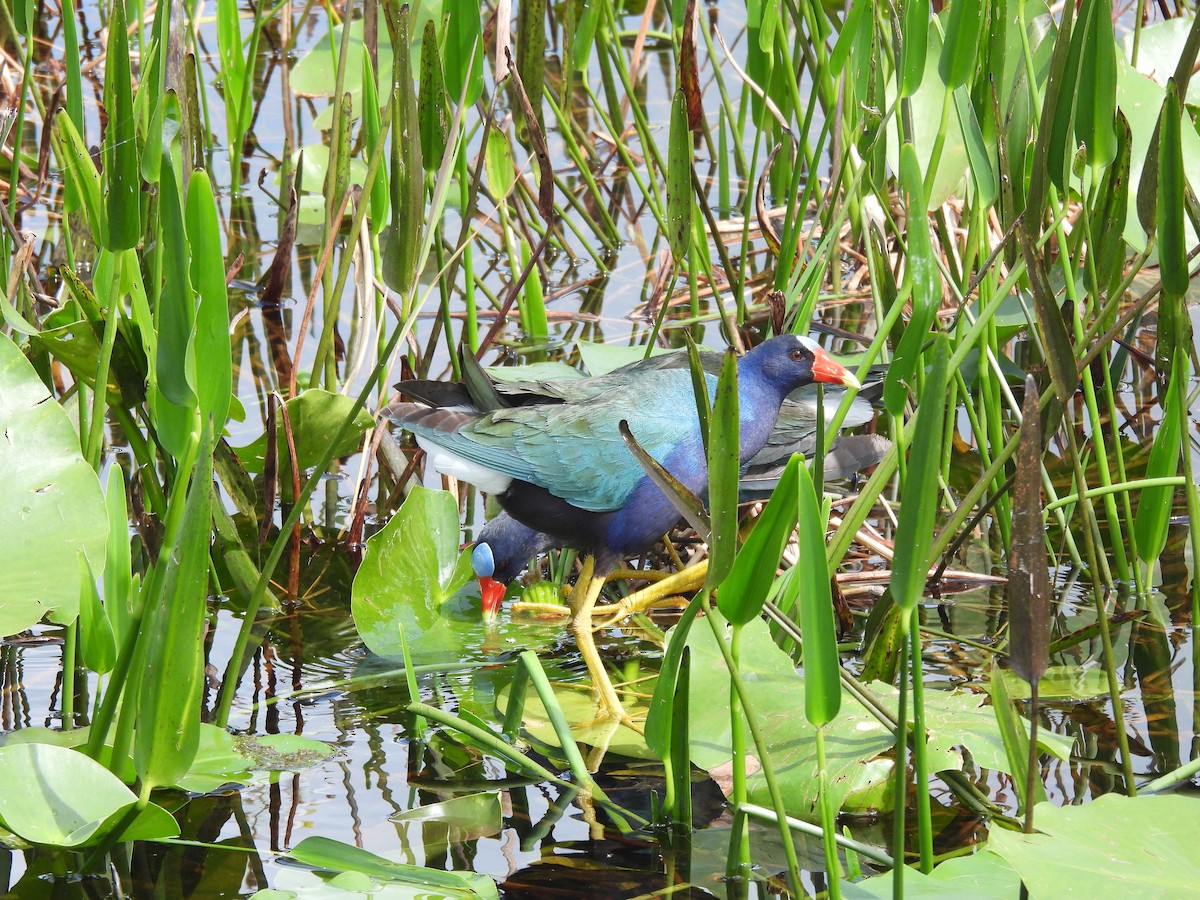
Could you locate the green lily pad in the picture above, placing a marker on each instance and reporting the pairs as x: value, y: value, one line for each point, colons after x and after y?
x: 415, y: 581
x: 1158, y: 52
x: 1113, y: 847
x: 316, y: 416
x: 465, y: 818
x: 776, y: 693
x: 981, y: 876
x: 600, y: 359
x: 51, y: 505
x: 1140, y: 99
x: 41, y: 802
x: 1061, y: 683
x: 582, y: 710
x: 963, y: 719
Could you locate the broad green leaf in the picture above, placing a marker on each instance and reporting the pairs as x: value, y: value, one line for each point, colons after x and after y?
x: 679, y: 180
x: 167, y: 732
x: 754, y: 568
x: 914, y: 530
x: 600, y: 359
x: 776, y: 692
x: 468, y: 817
x: 212, y: 350
x: 981, y: 876
x: 464, y: 51
x: 315, y: 416
x: 1096, y: 102
x: 41, y: 798
x: 51, y: 506
x: 1114, y: 846
x: 915, y: 31
x: 822, y: 686
x: 1154, y: 505
x: 723, y: 446
x: 122, y: 179
x: 400, y: 241
x: 432, y: 110
x: 964, y: 26
x: 412, y: 578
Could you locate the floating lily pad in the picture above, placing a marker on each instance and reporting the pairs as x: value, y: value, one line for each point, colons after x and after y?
x: 1113, y: 847
x: 51, y: 505
x: 415, y: 581
x: 582, y: 711
x: 776, y: 693
x: 982, y: 876
x: 41, y: 802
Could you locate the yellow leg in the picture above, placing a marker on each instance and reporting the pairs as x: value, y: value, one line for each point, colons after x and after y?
x: 583, y: 599
x: 688, y: 579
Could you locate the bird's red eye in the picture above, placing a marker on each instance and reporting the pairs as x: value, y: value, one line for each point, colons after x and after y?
x: 797, y: 355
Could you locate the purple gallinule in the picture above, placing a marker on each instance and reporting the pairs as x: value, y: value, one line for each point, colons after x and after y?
x: 563, y: 469
x: 504, y: 546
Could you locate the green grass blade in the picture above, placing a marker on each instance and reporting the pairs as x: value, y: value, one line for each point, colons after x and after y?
x: 915, y: 29
x: 723, y: 441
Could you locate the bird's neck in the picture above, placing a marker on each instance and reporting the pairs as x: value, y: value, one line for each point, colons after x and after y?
x: 759, y: 399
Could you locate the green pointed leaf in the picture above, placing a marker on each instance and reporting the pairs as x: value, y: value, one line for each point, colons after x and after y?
x: 754, y: 569
x: 964, y: 26
x: 822, y: 685
x: 1096, y: 103
x: 915, y: 31
x: 923, y: 275
x: 919, y: 494
x: 432, y: 108
x: 212, y: 350
x: 96, y: 641
x: 121, y: 160
x: 679, y: 180
x: 1154, y: 505
x: 464, y: 51
x: 167, y: 735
